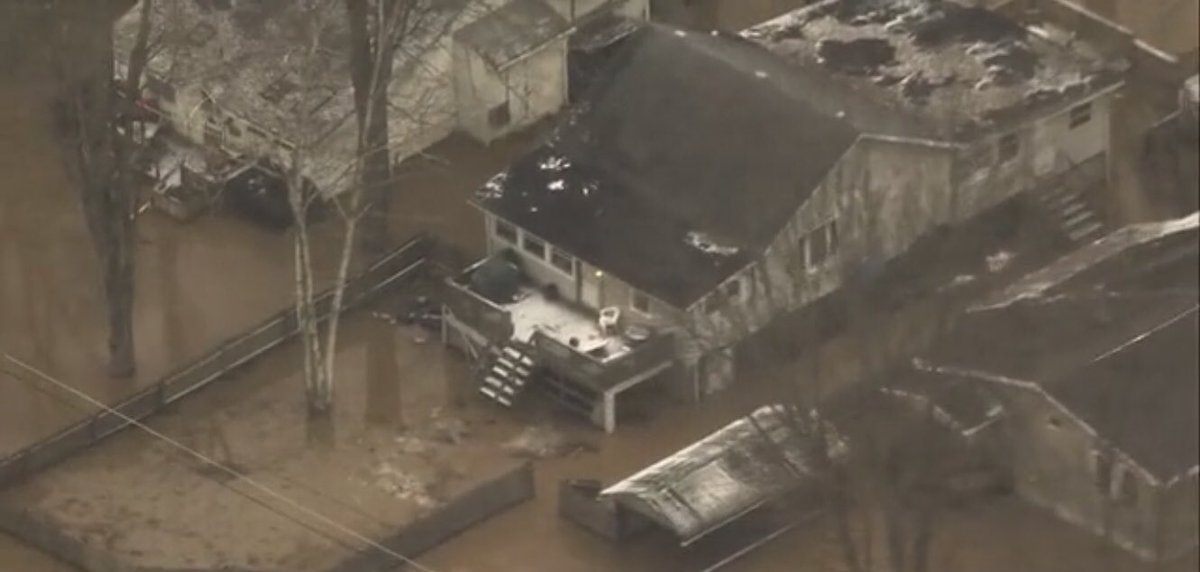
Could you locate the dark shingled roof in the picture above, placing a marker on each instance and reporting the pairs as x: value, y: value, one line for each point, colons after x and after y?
x: 1144, y: 398
x: 688, y: 136
x: 512, y: 31
x: 1114, y: 343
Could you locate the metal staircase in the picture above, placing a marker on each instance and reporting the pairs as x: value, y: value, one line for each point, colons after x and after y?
x: 508, y: 373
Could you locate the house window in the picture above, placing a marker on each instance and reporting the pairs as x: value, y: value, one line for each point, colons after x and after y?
x: 534, y: 246
x: 1008, y: 147
x: 500, y: 115
x: 1080, y: 114
x: 506, y: 232
x: 1125, y: 492
x: 640, y: 302
x: 1102, y: 471
x: 819, y: 246
x: 562, y: 261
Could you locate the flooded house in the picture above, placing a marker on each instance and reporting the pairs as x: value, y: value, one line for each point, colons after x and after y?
x: 241, y: 77
x: 1080, y: 383
x: 710, y: 182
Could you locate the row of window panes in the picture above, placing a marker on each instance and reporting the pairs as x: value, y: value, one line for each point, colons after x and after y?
x: 1009, y: 145
x: 536, y: 247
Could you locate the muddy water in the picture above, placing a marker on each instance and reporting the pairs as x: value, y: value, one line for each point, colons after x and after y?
x: 195, y: 284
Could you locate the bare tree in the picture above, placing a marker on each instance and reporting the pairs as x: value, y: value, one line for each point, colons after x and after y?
x: 381, y: 32
x: 97, y: 125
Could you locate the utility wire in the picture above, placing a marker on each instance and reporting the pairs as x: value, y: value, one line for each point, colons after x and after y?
x: 237, y: 476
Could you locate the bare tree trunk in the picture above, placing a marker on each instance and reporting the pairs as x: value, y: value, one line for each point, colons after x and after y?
x: 98, y: 147
x: 375, y: 29
x: 383, y: 387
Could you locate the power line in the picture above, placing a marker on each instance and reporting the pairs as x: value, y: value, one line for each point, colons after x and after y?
x: 237, y: 476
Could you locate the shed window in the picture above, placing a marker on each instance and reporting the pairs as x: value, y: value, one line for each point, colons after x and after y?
x: 1102, y: 470
x: 1080, y: 114
x: 562, y: 261
x: 1125, y: 491
x: 506, y: 231
x: 534, y: 246
x: 640, y: 302
x: 500, y: 115
x: 1008, y: 147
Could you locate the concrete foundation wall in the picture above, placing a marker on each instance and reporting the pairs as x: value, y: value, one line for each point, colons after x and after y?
x: 510, y: 488
x: 490, y: 498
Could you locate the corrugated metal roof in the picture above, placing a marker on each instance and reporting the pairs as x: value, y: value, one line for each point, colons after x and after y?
x: 723, y: 476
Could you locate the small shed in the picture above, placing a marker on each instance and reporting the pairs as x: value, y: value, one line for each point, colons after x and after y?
x: 724, y: 476
x: 510, y: 68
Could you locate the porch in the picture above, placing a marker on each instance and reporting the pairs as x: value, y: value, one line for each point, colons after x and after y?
x: 529, y: 338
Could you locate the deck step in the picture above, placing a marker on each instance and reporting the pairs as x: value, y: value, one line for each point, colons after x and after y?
x: 1078, y: 219
x: 1085, y: 232
x: 1072, y: 207
x: 495, y: 396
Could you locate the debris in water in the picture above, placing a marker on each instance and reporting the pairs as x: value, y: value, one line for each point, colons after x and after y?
x: 554, y: 163
x: 557, y: 185
x: 707, y: 245
x: 544, y: 442
x: 402, y: 485
x: 998, y: 261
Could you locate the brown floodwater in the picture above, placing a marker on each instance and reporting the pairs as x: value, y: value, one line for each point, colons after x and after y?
x: 198, y: 283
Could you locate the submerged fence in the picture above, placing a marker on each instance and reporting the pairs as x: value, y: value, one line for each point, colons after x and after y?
x: 398, y: 265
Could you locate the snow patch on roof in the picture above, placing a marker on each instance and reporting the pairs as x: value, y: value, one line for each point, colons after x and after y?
x: 494, y: 188
x: 554, y: 163
x: 708, y: 246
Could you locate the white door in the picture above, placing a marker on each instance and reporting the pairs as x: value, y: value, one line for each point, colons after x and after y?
x: 589, y: 286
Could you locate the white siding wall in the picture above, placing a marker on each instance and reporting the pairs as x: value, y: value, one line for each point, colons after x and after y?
x: 534, y: 87
x: 1045, y: 146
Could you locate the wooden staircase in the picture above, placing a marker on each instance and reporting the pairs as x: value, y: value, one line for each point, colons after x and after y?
x: 1066, y: 201
x: 508, y: 373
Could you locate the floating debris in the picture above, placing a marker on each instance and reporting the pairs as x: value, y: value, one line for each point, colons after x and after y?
x: 708, y: 246
x: 554, y: 163
x: 998, y: 261
x: 557, y: 185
